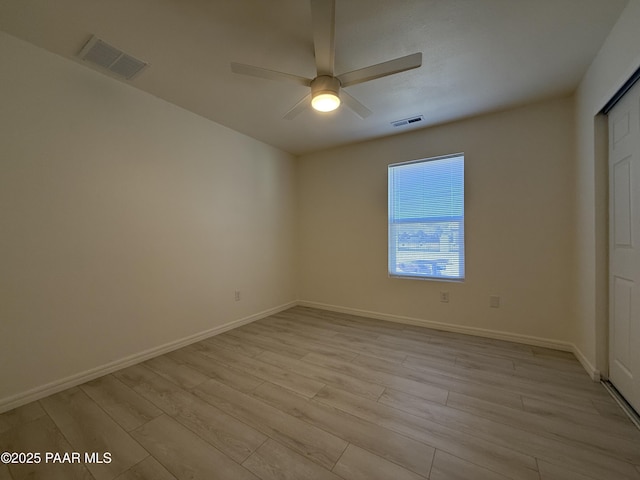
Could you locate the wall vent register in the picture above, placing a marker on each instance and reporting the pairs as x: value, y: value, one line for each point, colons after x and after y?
x: 100, y: 54
x: 408, y: 121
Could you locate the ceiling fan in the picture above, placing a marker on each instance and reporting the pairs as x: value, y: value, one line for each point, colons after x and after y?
x: 326, y: 88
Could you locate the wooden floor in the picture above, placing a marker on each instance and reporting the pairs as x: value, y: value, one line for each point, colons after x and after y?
x: 308, y: 394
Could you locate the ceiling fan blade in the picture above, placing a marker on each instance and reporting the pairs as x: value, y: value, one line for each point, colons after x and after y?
x: 381, y: 70
x: 269, y: 74
x: 358, y: 108
x: 323, y: 13
x: 298, y: 107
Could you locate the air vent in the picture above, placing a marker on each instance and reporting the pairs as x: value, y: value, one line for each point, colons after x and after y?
x: 99, y: 53
x: 408, y: 121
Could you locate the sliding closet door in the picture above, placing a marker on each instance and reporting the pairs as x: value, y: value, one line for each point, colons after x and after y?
x: 624, y: 246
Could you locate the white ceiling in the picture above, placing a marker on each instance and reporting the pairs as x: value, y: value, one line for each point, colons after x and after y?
x: 478, y: 55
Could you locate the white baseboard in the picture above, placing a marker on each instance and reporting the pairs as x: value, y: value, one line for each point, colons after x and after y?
x: 56, y: 386
x: 478, y: 332
x: 593, y: 372
x: 37, y: 393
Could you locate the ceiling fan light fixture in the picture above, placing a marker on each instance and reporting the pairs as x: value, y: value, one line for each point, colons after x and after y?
x: 324, y: 93
x: 325, y: 102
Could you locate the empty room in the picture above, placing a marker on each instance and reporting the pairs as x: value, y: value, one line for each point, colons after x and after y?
x: 319, y: 239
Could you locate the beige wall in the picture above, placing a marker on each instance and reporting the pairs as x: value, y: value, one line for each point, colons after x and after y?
x: 126, y: 223
x: 519, y: 224
x: 617, y: 60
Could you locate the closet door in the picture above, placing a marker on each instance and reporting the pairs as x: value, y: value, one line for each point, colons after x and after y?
x: 624, y: 246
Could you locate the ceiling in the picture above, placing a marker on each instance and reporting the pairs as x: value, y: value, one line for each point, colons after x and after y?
x: 478, y: 56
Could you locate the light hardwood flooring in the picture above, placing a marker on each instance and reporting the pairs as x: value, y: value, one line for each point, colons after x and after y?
x: 310, y: 394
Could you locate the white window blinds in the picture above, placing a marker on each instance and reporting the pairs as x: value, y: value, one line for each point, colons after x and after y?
x: 426, y: 218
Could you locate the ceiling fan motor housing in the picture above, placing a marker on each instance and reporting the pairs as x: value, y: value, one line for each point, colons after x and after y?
x: 325, y: 84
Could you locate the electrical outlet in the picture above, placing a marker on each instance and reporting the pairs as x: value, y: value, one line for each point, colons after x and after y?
x: 444, y: 297
x: 237, y: 295
x: 494, y: 301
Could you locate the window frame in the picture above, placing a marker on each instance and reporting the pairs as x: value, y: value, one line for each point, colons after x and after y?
x: 391, y: 255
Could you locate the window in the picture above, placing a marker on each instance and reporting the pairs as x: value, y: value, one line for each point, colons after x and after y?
x: 426, y: 218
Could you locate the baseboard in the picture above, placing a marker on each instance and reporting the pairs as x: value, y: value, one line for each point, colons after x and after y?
x: 478, y: 332
x: 37, y: 393
x: 593, y: 372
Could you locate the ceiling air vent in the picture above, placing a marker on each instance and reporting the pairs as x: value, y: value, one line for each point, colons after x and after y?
x: 408, y: 121
x: 99, y: 53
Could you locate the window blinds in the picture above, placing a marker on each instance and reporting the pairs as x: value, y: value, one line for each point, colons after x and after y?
x: 426, y: 218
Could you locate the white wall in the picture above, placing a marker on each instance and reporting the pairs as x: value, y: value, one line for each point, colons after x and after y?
x: 618, y: 58
x: 126, y: 223
x: 519, y: 224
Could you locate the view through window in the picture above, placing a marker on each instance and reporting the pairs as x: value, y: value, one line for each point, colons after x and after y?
x: 426, y: 218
